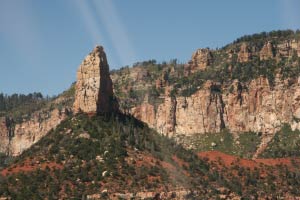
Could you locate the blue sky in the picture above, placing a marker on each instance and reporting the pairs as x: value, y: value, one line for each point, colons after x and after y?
x: 42, y: 43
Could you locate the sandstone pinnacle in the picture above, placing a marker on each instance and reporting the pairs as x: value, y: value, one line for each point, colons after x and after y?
x: 94, y: 90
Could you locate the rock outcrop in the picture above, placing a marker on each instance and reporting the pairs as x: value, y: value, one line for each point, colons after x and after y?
x: 287, y: 49
x: 162, y: 81
x: 17, y: 137
x: 267, y: 52
x: 94, y: 91
x: 201, y: 59
x: 244, y: 55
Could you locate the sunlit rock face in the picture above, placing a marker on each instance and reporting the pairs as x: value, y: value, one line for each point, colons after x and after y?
x: 244, y: 55
x: 17, y: 137
x: 241, y: 107
x: 267, y: 52
x: 200, y: 60
x: 94, y: 91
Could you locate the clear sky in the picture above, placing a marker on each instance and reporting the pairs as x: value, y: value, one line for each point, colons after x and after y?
x: 42, y: 43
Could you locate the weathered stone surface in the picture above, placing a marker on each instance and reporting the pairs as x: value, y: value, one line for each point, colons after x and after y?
x: 201, y: 59
x: 15, y: 138
x: 255, y: 106
x: 267, y: 52
x: 286, y: 49
x: 94, y: 92
x: 145, y: 112
x: 244, y: 55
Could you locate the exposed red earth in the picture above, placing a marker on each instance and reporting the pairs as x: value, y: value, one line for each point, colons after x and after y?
x: 30, y: 165
x: 210, y: 156
x: 228, y: 160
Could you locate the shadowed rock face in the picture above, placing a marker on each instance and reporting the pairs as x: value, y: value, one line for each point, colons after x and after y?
x: 94, y: 91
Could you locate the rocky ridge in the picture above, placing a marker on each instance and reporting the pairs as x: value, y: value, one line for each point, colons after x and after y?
x: 261, y: 105
x: 267, y: 52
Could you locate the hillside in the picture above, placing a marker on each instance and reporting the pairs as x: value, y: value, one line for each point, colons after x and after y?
x: 224, y: 125
x: 118, y: 155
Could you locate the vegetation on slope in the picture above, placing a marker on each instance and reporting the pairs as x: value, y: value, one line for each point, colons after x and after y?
x: 20, y: 107
x: 88, y: 155
x: 273, y: 36
x: 286, y: 143
x: 94, y: 153
x: 244, y: 146
x: 133, y: 89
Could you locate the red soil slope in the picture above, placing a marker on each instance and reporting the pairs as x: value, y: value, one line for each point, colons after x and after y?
x: 29, y: 166
x: 228, y: 160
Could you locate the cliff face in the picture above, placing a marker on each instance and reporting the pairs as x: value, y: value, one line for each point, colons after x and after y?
x: 94, y: 92
x: 260, y: 105
x: 15, y: 138
x: 256, y: 107
x: 201, y: 59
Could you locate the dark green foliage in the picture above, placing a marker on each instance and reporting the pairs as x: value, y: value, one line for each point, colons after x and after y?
x: 20, y: 107
x: 17, y: 105
x: 244, y: 72
x: 286, y: 143
x: 223, y: 69
x: 260, y: 38
x: 243, y: 146
x: 78, y: 141
x: 132, y: 91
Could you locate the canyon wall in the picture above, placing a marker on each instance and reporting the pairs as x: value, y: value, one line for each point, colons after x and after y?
x: 17, y: 137
x: 256, y: 105
x: 240, y: 107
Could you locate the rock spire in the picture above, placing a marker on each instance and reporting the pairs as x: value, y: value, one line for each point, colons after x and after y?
x: 94, y: 90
